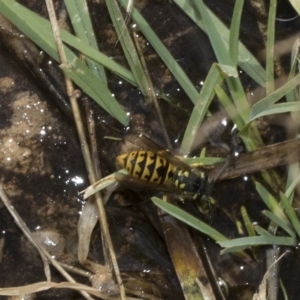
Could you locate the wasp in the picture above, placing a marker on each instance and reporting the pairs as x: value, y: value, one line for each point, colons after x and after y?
x: 159, y: 169
x: 170, y: 174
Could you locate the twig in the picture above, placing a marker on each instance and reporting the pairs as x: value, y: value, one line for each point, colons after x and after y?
x: 94, y: 153
x: 2, y: 242
x: 43, y: 252
x: 76, y: 270
x: 84, y: 146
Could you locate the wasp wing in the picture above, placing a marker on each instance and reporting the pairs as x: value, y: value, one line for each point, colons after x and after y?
x: 142, y: 142
x: 138, y: 184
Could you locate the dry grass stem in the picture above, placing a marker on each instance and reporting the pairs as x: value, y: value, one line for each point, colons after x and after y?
x: 84, y: 146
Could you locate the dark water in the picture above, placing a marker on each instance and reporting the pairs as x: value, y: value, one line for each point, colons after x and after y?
x: 42, y: 169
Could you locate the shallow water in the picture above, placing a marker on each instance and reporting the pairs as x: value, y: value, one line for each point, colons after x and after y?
x: 42, y: 169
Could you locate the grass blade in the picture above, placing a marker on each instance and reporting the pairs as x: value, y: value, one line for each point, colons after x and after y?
x: 290, y: 213
x: 266, y: 102
x: 261, y: 231
x: 203, y: 161
x: 257, y: 241
x: 96, y: 89
x: 98, y: 57
x: 232, y: 250
x: 188, y: 219
x: 221, y: 52
x: 202, y: 103
x: 216, y: 41
x: 285, y: 226
x: 235, y: 31
x: 39, y: 30
x: 291, y: 187
x: 293, y: 95
x: 81, y: 22
x: 164, y: 54
x: 271, y: 202
x: 229, y: 107
x: 245, y: 59
x: 127, y: 45
x: 279, y: 109
x: 247, y: 222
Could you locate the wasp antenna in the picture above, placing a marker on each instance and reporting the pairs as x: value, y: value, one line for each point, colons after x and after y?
x: 218, y: 175
x: 222, y: 169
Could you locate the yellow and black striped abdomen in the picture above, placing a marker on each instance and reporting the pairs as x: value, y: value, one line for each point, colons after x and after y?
x: 147, y: 165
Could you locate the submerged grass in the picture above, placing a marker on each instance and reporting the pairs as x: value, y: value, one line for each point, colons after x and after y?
x: 188, y: 219
x: 248, y: 224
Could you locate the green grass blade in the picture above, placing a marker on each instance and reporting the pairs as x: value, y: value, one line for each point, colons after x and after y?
x: 283, y: 290
x: 261, y: 231
x: 202, y: 103
x: 40, y: 32
x: 229, y: 107
x: 239, y: 97
x: 257, y: 241
x: 128, y: 47
x: 216, y: 41
x: 289, y: 210
x: 279, y: 109
x: 247, y: 222
x: 221, y: 52
x: 291, y: 187
x: 232, y: 250
x: 203, y: 161
x: 188, y: 219
x: 235, y: 31
x: 292, y: 181
x: 293, y: 95
x: 31, y: 25
x: 270, y: 201
x: 253, y: 139
x: 292, y: 178
x: 286, y: 227
x: 82, y: 25
x: 96, y: 89
x: 246, y: 60
x: 164, y: 54
x: 98, y: 57
x: 266, y: 102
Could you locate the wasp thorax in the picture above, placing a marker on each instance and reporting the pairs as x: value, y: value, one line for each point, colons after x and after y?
x: 190, y: 182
